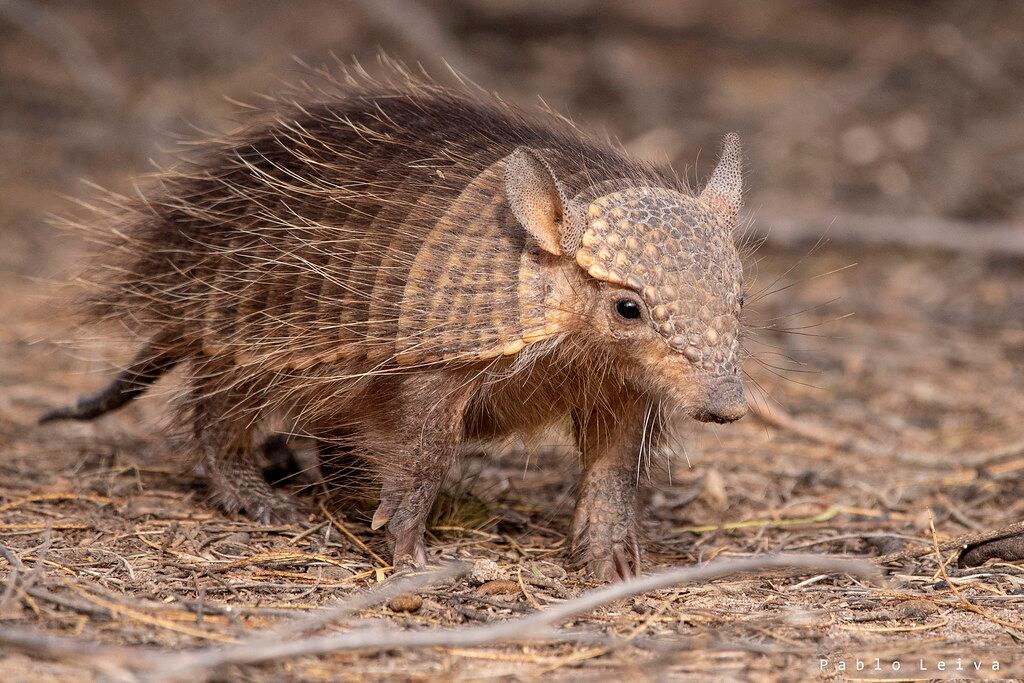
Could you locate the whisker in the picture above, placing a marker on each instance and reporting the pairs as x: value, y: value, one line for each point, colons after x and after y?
x: 761, y: 296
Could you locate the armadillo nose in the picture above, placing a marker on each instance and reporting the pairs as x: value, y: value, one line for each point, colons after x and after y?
x: 725, y: 402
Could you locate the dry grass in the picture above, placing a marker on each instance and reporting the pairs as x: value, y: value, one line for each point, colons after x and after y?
x: 108, y: 542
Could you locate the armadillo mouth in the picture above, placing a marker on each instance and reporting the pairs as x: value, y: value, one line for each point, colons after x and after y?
x: 706, y: 417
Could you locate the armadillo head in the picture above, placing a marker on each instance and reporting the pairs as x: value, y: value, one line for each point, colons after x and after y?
x: 666, y: 280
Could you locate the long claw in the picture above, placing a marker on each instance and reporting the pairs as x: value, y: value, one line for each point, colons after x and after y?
x: 622, y: 565
x: 410, y: 548
x: 381, y: 517
x: 605, y: 545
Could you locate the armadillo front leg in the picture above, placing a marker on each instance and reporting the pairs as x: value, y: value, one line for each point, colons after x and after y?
x: 604, y: 530
x: 414, y: 458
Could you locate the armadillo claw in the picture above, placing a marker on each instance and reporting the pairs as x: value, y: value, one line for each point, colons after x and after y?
x: 381, y: 517
x: 604, y: 540
x: 410, y: 550
x: 275, y: 510
x: 404, y: 512
x: 623, y: 564
x: 626, y: 568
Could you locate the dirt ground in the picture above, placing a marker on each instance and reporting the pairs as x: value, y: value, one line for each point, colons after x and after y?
x: 882, y: 114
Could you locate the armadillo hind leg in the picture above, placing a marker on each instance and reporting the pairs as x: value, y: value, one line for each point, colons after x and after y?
x: 238, y: 485
x: 155, y: 359
x: 224, y: 439
x: 605, y: 532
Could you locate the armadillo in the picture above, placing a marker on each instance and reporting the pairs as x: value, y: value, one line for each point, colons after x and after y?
x: 409, y: 269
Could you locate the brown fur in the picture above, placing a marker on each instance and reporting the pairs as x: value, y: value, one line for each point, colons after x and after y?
x: 400, y: 269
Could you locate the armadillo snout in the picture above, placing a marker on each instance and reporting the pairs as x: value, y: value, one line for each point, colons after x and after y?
x: 724, y: 403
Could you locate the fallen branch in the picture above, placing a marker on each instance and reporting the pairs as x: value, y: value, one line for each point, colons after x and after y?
x: 113, y: 660
x: 762, y: 523
x: 975, y: 547
x: 775, y: 416
x: 964, y: 602
x: 116, y: 660
x: 927, y: 232
x: 534, y: 627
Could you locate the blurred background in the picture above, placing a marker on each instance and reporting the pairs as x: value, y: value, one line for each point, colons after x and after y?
x: 871, y: 115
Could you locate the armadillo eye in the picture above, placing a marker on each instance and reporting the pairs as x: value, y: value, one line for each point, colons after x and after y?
x: 627, y: 309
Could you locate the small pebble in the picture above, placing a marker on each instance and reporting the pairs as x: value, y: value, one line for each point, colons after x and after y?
x: 406, y: 603
x: 498, y: 587
x: 234, y: 544
x: 915, y: 609
x: 330, y: 572
x: 486, y: 570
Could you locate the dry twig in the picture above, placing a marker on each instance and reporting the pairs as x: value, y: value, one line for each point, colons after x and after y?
x: 534, y: 627
x: 977, y: 542
x: 775, y: 416
x: 930, y: 232
x: 967, y: 604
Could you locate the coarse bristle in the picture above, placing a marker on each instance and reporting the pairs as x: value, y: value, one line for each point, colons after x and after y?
x: 329, y: 231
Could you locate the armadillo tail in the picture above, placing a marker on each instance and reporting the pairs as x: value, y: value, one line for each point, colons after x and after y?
x: 154, y: 360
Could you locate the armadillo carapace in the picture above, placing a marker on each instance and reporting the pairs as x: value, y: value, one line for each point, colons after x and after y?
x: 408, y: 269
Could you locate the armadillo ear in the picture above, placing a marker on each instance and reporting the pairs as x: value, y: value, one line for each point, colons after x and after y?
x: 537, y: 199
x: 724, y: 191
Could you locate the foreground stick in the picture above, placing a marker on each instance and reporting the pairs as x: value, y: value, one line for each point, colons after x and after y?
x: 396, y: 269
x: 276, y: 645
x: 536, y: 626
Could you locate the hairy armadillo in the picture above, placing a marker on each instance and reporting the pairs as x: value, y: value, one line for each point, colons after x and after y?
x: 408, y: 268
